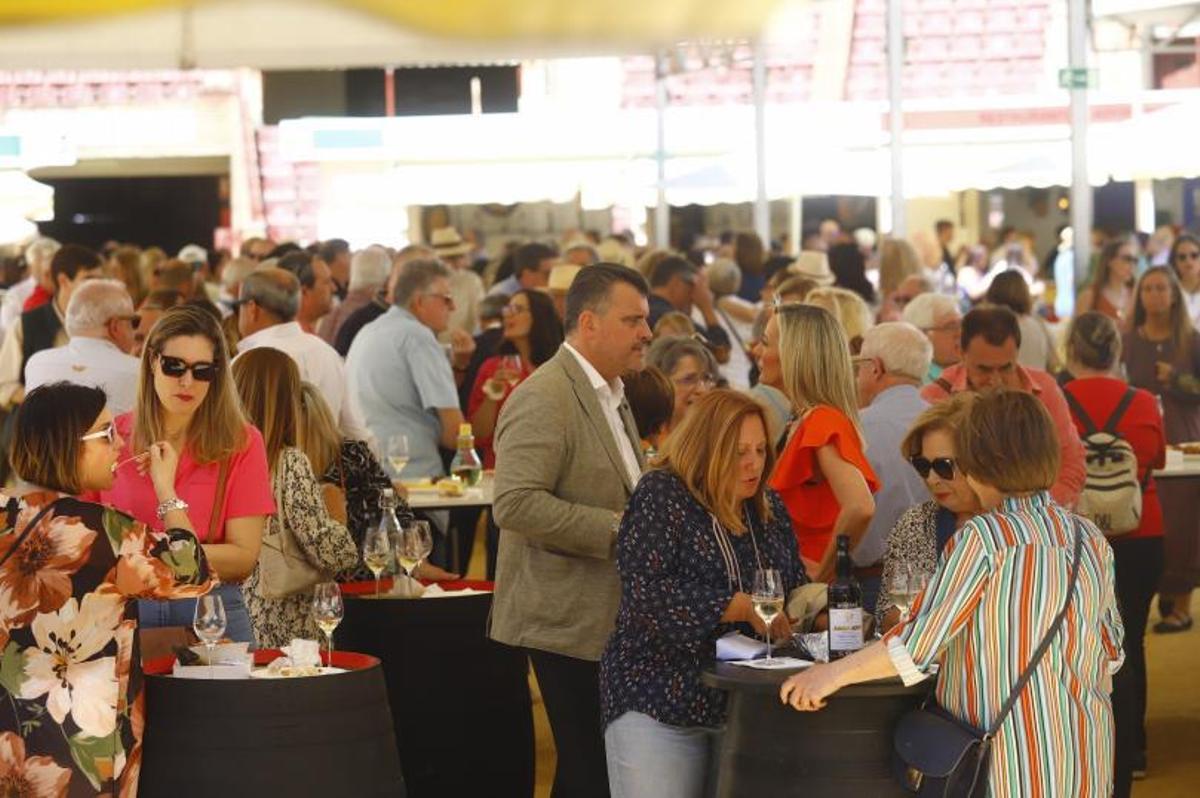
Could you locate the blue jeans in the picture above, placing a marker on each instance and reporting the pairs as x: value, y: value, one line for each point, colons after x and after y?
x: 649, y: 759
x: 180, y: 612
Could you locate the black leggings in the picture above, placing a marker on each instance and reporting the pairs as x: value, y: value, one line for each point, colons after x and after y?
x: 1139, y: 566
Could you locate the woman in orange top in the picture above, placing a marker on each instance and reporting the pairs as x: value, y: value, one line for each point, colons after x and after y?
x: 822, y: 475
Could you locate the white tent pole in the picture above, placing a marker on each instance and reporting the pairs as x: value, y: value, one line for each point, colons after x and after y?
x: 1081, y: 189
x: 762, y: 210
x: 895, y: 53
x: 662, y: 211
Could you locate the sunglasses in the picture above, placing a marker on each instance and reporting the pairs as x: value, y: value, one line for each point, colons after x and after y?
x: 175, y: 368
x: 109, y: 433
x: 942, y: 466
x: 134, y: 319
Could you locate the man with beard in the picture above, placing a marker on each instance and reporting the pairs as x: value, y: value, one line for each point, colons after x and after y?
x: 567, y: 460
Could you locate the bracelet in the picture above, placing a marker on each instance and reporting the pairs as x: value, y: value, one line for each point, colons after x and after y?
x: 166, y: 506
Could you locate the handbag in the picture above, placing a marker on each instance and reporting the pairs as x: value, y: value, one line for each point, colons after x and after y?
x: 936, y: 754
x: 283, y: 567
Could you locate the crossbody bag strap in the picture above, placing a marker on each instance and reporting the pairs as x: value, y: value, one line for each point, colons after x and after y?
x: 214, y: 520
x: 732, y: 329
x: 1045, y: 644
x: 32, y: 525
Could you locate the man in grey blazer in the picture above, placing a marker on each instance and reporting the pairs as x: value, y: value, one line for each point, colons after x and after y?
x: 567, y: 460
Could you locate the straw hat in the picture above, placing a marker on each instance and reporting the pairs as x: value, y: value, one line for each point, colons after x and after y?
x: 561, y: 277
x: 447, y: 243
x: 814, y: 265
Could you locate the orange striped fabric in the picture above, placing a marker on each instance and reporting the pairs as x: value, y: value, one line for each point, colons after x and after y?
x: 998, y: 586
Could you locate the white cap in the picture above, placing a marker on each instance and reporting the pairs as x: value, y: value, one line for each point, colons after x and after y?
x: 193, y: 253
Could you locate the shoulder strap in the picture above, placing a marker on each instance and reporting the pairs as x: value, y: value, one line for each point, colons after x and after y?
x: 730, y: 325
x: 1045, y: 644
x: 1089, y: 426
x: 1110, y: 426
x: 32, y: 525
x: 218, y: 501
x: 944, y: 384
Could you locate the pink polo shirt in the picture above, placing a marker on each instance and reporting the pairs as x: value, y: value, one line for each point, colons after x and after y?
x: 247, y: 492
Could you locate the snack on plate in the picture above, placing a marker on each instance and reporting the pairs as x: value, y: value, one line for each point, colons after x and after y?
x: 450, y: 486
x: 1190, y: 447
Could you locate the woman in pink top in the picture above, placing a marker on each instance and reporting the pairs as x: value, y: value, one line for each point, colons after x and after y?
x: 186, y: 398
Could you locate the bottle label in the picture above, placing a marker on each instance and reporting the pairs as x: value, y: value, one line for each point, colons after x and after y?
x: 845, y: 629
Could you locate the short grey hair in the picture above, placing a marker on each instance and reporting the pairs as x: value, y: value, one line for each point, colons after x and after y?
x: 666, y: 352
x: 923, y: 310
x: 94, y: 302
x: 415, y: 278
x: 369, y: 268
x: 273, y: 289
x: 724, y: 277
x: 583, y: 246
x: 235, y: 271
x: 901, y: 347
x: 41, y: 250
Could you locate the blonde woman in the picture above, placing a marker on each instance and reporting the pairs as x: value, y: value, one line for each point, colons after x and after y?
x: 186, y: 398
x: 699, y: 525
x: 851, y: 312
x: 268, y: 382
x: 822, y: 474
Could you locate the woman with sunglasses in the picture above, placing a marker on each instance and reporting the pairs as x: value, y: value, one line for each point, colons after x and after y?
x: 1185, y: 260
x: 70, y: 571
x: 1111, y: 289
x: 532, y: 335
x: 920, y: 534
x: 186, y: 398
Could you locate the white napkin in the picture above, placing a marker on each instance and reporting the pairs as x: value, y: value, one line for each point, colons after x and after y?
x: 777, y: 663
x: 736, y: 646
x: 437, y: 591
x: 223, y: 654
x: 239, y: 669
x: 302, y: 652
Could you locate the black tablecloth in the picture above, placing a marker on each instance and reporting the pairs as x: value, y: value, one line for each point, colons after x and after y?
x: 460, y: 702
x: 845, y: 749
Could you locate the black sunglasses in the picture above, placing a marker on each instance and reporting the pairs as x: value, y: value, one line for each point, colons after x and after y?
x: 175, y: 367
x: 942, y: 466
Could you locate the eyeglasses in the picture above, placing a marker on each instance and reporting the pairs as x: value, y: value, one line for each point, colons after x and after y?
x: 447, y: 298
x: 946, y: 327
x: 1127, y: 258
x: 109, y: 433
x: 133, y: 319
x: 175, y: 368
x: 693, y: 380
x: 942, y: 466
x: 513, y: 310
x: 860, y: 361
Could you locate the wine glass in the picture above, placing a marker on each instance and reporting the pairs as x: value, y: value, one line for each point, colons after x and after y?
x: 512, y: 364
x: 906, y: 583
x: 377, y: 550
x: 327, y: 610
x: 398, y: 453
x: 209, y: 624
x: 768, y: 601
x: 416, y: 543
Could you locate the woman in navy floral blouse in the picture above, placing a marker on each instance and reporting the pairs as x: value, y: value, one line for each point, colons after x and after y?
x: 700, y: 523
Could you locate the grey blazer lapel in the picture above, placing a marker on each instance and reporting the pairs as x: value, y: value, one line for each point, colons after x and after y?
x: 594, y: 413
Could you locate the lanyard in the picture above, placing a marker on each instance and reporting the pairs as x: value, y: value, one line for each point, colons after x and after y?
x: 733, y: 570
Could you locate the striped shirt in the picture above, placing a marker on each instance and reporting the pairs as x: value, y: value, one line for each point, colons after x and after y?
x: 998, y: 586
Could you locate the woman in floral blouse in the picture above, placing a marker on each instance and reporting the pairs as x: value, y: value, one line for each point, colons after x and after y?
x: 268, y: 383
x: 920, y: 534
x: 699, y: 525
x: 70, y: 571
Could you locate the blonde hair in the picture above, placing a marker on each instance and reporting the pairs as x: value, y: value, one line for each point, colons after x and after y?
x: 218, y: 428
x: 319, y: 435
x: 650, y: 259
x: 944, y: 415
x: 674, y: 323
x: 815, y: 359
x: 852, y: 311
x: 898, y: 260
x: 268, y: 383
x: 703, y: 452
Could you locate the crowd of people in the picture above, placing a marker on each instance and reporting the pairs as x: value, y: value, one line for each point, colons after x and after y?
x: 662, y: 425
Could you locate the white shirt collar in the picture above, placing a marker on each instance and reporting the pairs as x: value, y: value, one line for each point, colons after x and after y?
x: 289, y: 329
x: 615, y: 389
x: 84, y: 342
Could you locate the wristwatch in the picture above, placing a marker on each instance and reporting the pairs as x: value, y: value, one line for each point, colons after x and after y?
x: 174, y: 503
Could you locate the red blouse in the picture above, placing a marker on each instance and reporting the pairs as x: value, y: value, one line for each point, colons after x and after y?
x: 809, y: 499
x: 486, y: 370
x: 1141, y: 426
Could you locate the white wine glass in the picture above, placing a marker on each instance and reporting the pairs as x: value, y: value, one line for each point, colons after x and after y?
x: 398, y: 453
x: 328, y: 611
x: 377, y: 551
x: 208, y: 622
x: 767, y: 598
x: 902, y: 588
x: 416, y: 543
x: 512, y: 364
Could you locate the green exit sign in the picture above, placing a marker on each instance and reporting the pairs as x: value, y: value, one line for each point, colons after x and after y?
x: 1077, y: 78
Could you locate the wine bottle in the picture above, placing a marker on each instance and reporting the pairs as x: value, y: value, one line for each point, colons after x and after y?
x: 466, y: 464
x: 845, y: 606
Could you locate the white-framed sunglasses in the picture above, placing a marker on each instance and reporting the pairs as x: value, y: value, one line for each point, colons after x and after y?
x: 109, y: 433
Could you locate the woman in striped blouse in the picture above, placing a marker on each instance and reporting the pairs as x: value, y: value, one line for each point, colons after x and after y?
x: 996, y: 591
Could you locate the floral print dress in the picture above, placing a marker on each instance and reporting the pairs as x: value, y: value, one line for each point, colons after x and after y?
x: 326, y: 543
x: 71, y: 710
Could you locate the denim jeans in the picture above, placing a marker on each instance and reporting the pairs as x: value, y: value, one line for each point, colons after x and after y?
x: 155, y: 614
x: 649, y: 759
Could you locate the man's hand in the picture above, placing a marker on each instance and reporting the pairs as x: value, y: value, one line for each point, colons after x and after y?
x: 462, y: 346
